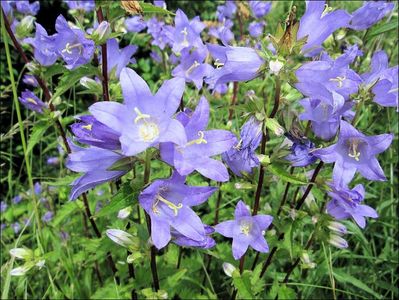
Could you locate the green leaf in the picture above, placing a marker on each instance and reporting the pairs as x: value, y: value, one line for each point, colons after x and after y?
x: 123, y: 198
x: 71, y: 77
x: 66, y: 210
x: 242, y: 283
x: 149, y: 8
x: 345, y: 277
x: 175, y: 278
x: 37, y: 134
x: 285, y: 176
x: 383, y: 28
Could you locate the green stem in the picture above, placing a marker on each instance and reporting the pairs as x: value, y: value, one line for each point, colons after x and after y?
x: 22, y: 133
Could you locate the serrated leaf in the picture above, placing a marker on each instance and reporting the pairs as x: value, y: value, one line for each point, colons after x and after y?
x: 36, y: 135
x: 123, y: 198
x: 285, y: 176
x: 242, y: 283
x: 66, y: 210
x: 71, y: 77
x: 345, y: 277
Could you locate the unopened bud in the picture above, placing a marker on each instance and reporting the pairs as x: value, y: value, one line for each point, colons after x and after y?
x: 101, y: 33
x: 25, y: 26
x: 307, y: 263
x: 21, y: 271
x: 263, y: 159
x: 40, y: 263
x: 337, y: 227
x: 274, y: 126
x: 134, y: 256
x: 243, y: 186
x: 275, y: 66
x: 338, y: 241
x: 124, y: 213
x: 22, y: 253
x: 228, y: 269
x: 123, y: 238
x: 90, y: 83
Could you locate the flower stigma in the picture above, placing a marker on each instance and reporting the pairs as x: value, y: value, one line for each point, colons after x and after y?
x: 169, y: 204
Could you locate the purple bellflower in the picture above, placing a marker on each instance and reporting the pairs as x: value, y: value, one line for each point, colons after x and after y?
x: 72, y: 45
x: 135, y: 24
x: 353, y: 152
x: 301, y: 151
x: 144, y: 120
x: 370, y: 13
x: 227, y: 10
x: 223, y: 31
x: 159, y: 33
x: 44, y: 46
x: 95, y: 163
x: 335, y: 75
x: 30, y: 101
x: 345, y: 204
x: 384, y: 80
x: 54, y: 160
x: 260, y: 8
x: 233, y: 64
x: 192, y: 67
x: 325, y: 111
x: 119, y: 58
x: 242, y: 157
x: 168, y: 203
x: 183, y: 241
x: 26, y: 8
x: 92, y: 132
x: 246, y: 230
x: 186, y: 34
x: 30, y: 80
x: 48, y: 216
x: 17, y: 199
x: 16, y: 227
x: 85, y: 5
x: 3, y: 206
x: 256, y: 28
x: 37, y: 188
x: 317, y: 24
x: 201, y: 145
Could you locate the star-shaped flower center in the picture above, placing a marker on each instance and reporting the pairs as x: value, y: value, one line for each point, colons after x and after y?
x: 68, y: 48
x: 148, y: 130
x: 31, y: 100
x: 245, y: 227
x: 168, y: 204
x: 354, y: 148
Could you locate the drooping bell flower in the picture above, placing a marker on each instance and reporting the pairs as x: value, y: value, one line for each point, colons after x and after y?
x: 383, y: 80
x: 71, y: 44
x: 318, y: 23
x: 32, y: 102
x: 201, y: 145
x: 97, y: 166
x: 227, y: 10
x: 260, y: 8
x: 256, y: 28
x: 301, y: 151
x: 355, y: 152
x: 183, y: 241
x: 135, y: 24
x: 223, y: 31
x: 92, y: 132
x: 345, y: 204
x: 370, y: 13
x: 242, y: 156
x: 168, y: 203
x: 233, y: 64
x: 192, y: 67
x: 44, y: 46
x: 27, y: 8
x: 144, y: 120
x: 245, y: 230
x: 30, y: 80
x: 335, y: 75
